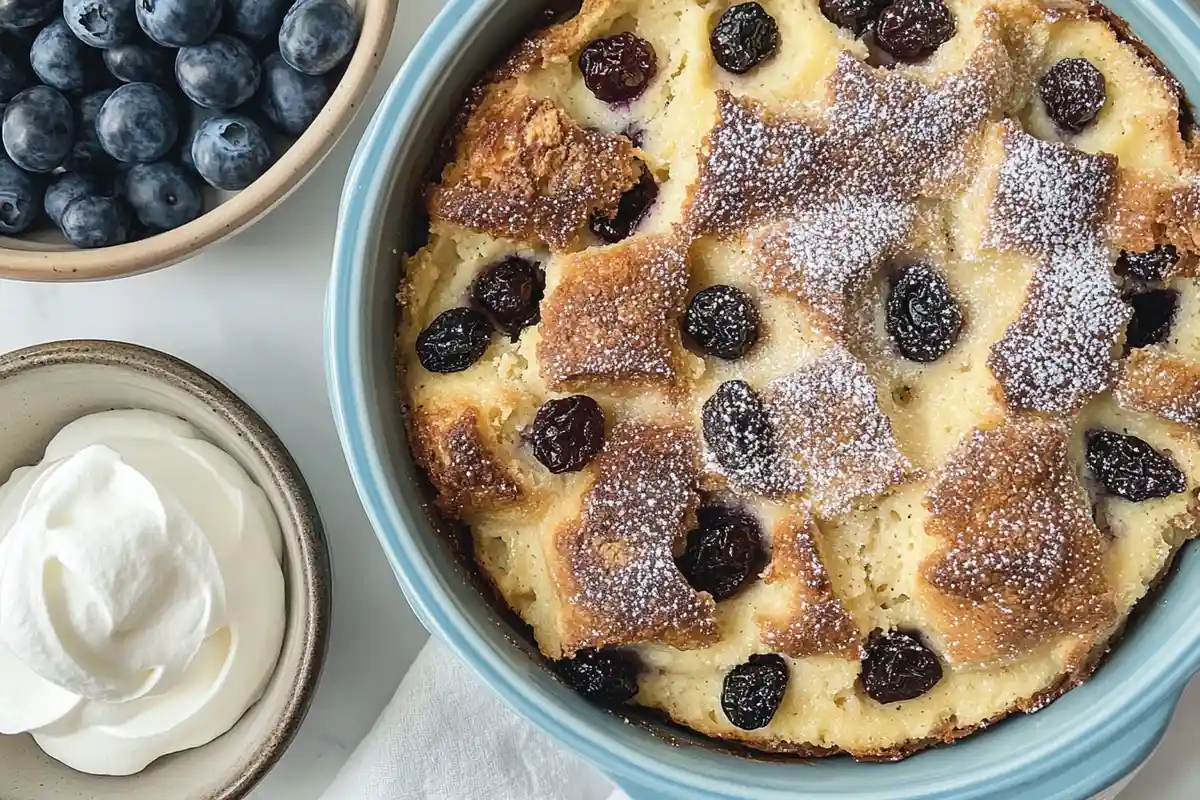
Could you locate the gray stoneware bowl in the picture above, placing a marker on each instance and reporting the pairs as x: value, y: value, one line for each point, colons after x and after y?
x: 44, y: 387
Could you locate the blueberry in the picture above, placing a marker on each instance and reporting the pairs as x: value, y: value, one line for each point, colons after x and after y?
x: 23, y: 13
x: 744, y: 37
x: 67, y: 188
x: 90, y: 158
x: 1131, y: 468
x: 95, y: 221
x: 898, y: 666
x: 1073, y: 92
x: 138, y: 123
x: 618, y: 68
x: 87, y: 108
x: 723, y: 321
x: 162, y: 195
x: 256, y: 19
x: 456, y: 339
x: 13, y: 78
x: 606, y: 677
x: 567, y: 433
x: 222, y: 73
x: 317, y: 34
x: 101, y: 23
x: 910, y: 30
x: 753, y: 691
x: 39, y: 129
x: 140, y: 61
x: 61, y: 60
x: 20, y: 197
x: 179, y: 23
x: 289, y: 98
x: 230, y: 151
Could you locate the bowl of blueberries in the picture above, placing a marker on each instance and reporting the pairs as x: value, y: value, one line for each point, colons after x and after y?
x: 137, y: 132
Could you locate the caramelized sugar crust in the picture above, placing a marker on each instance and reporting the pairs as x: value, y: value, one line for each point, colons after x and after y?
x: 949, y: 498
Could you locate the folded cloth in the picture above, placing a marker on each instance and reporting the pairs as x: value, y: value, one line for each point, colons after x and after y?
x: 446, y: 736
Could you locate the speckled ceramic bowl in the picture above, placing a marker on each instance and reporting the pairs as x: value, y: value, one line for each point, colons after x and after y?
x: 1077, y: 746
x: 42, y: 388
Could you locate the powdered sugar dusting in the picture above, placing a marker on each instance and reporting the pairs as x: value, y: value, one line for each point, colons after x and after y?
x: 1021, y: 560
x: 621, y: 583
x: 612, y: 318
x: 1048, y: 203
x: 831, y: 440
x: 893, y: 135
x: 752, y: 168
x: 1049, y: 197
x: 824, y: 255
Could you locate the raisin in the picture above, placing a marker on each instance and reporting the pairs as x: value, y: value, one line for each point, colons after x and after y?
x: 909, y: 30
x: 510, y: 292
x: 1129, y: 467
x: 1153, y: 313
x: 567, y: 433
x: 744, y: 37
x: 630, y: 210
x: 606, y: 677
x: 753, y: 691
x: 723, y: 553
x: 722, y: 321
x: 923, y: 319
x: 736, y: 426
x: 898, y: 666
x: 1153, y: 265
x: 618, y: 68
x: 455, y: 340
x: 853, y: 15
x: 1073, y: 91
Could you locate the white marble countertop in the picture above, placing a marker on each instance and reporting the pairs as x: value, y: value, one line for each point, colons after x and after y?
x: 250, y: 312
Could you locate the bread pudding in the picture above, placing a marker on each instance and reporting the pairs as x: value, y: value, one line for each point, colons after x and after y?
x: 823, y: 374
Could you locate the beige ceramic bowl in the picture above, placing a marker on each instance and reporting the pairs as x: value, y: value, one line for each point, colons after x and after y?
x: 40, y: 258
x: 42, y: 388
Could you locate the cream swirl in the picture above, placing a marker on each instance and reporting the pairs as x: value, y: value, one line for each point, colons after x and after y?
x: 141, y: 594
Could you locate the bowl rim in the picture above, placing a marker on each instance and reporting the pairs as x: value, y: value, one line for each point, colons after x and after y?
x: 355, y: 399
x: 301, y: 511
x: 33, y: 261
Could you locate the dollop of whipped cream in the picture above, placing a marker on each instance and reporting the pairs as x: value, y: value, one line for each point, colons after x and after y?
x: 141, y: 593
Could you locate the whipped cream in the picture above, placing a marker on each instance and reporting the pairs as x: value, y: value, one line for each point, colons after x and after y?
x: 141, y: 593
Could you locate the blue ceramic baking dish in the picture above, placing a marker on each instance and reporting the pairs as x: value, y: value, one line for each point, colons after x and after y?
x: 1086, y: 741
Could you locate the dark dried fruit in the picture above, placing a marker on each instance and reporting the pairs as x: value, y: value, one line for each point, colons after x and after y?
x: 1153, y: 265
x: 1153, y: 313
x: 509, y: 292
x: 455, y: 340
x: 618, y: 68
x: 744, y: 37
x: 723, y: 553
x: 909, y: 30
x: 722, y: 321
x: 1073, y: 91
x: 606, y: 677
x: 923, y: 318
x: 736, y: 426
x: 898, y: 666
x: 567, y: 433
x: 1129, y: 467
x: 853, y: 15
x: 630, y: 211
x: 753, y: 691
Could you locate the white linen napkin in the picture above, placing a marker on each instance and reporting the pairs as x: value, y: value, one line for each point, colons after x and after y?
x: 446, y: 736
